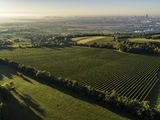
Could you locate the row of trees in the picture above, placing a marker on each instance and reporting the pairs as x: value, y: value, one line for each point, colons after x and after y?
x: 126, y: 46
x: 140, y: 48
x: 5, y: 43
x: 119, y: 42
x: 140, y: 109
x: 138, y: 35
x: 38, y: 40
x: 45, y: 40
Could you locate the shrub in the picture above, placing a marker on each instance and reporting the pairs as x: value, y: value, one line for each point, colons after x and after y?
x: 140, y: 109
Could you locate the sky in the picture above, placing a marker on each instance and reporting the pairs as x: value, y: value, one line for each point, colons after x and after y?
x: 79, y: 7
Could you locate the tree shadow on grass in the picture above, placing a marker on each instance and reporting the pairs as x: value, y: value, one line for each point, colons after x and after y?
x: 8, y: 72
x: 29, y: 102
x: 1, y: 77
x: 18, y: 111
x: 25, y: 78
x: 86, y: 99
x: 14, y: 110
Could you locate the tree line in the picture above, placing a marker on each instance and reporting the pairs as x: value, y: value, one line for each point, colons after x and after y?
x: 138, y: 47
x: 142, y: 110
x: 120, y: 42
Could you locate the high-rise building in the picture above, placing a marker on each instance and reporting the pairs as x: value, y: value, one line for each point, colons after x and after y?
x: 147, y: 16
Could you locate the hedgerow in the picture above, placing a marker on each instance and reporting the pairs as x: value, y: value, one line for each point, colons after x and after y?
x: 142, y: 110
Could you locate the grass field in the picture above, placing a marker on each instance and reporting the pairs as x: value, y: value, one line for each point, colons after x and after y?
x: 32, y: 100
x: 90, y: 40
x: 130, y: 75
x: 142, y: 40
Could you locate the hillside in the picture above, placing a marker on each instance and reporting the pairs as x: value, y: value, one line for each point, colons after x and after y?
x: 31, y: 100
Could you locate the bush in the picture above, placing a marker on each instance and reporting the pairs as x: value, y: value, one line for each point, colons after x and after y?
x: 140, y: 109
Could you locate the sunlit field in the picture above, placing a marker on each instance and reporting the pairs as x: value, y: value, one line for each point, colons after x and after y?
x: 129, y: 74
x: 142, y: 40
x: 28, y: 102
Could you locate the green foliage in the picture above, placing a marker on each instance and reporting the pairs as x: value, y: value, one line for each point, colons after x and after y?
x: 156, y: 36
x: 8, y: 85
x: 133, y: 43
x: 138, y: 44
x: 32, y: 100
x: 143, y: 110
x: 102, y: 69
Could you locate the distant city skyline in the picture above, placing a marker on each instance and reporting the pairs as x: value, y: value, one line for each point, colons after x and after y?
x: 79, y: 7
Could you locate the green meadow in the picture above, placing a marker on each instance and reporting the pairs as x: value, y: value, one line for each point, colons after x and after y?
x: 142, y: 40
x: 100, y: 40
x: 104, y: 69
x: 31, y: 100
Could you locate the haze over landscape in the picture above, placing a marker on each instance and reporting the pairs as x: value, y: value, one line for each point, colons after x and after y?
x: 79, y: 60
x: 79, y: 7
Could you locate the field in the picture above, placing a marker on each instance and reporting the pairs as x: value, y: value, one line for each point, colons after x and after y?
x: 90, y: 40
x: 142, y: 40
x: 32, y: 100
x: 130, y: 75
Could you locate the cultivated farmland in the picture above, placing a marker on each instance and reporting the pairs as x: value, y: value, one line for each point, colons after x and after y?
x: 130, y: 75
x: 28, y: 102
x: 142, y: 40
x: 100, y: 40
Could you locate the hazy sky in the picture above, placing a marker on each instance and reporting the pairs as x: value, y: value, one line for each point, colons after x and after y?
x: 79, y: 7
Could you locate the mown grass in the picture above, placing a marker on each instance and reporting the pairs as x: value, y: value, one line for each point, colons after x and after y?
x: 32, y: 100
x: 142, y: 40
x: 103, y: 41
x: 94, y: 39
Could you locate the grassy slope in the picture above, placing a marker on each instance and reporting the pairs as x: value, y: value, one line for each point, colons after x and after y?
x: 47, y: 103
x: 142, y: 40
x: 103, y: 41
x: 83, y: 64
x: 90, y: 40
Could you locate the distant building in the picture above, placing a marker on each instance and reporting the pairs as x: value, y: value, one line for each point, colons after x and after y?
x: 147, y: 16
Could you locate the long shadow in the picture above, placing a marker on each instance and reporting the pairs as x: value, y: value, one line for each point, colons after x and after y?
x: 29, y: 102
x: 25, y: 78
x: 1, y: 77
x: 85, y: 99
x: 14, y: 104
x: 7, y: 71
x: 14, y: 110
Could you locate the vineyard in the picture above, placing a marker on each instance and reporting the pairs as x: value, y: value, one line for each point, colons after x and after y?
x: 138, y: 86
x: 130, y: 75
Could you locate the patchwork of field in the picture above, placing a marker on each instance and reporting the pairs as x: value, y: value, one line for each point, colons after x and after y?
x: 129, y: 75
x: 32, y: 100
x: 103, y: 40
x: 90, y: 40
